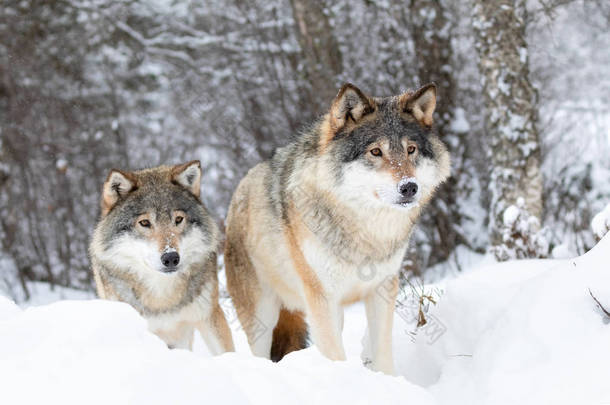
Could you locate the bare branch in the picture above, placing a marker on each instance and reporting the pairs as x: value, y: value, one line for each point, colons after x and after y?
x: 604, y: 310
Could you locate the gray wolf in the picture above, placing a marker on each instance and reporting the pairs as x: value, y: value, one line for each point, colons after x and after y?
x: 155, y: 248
x: 327, y: 220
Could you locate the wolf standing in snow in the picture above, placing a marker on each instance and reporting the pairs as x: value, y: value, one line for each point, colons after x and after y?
x: 155, y: 248
x: 327, y: 220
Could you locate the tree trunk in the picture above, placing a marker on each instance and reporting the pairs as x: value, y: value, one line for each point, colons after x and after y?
x: 320, y: 50
x: 431, y: 26
x: 510, y: 104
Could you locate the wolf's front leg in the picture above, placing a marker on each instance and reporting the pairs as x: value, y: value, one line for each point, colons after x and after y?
x: 326, y: 321
x: 216, y: 332
x: 380, y: 316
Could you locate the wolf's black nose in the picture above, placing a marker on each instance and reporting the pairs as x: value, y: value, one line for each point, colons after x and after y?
x: 170, y: 259
x: 408, y: 190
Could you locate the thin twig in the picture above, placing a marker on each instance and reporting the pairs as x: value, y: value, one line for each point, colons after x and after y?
x: 605, y: 311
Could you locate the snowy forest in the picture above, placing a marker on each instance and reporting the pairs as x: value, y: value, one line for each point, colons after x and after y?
x: 86, y: 86
x: 504, y: 291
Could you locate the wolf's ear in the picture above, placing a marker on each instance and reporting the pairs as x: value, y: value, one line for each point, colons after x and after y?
x: 349, y: 104
x: 421, y: 104
x: 117, y: 185
x: 188, y: 175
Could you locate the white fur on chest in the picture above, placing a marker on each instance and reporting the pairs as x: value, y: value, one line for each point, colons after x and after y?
x: 198, y: 310
x: 341, y: 279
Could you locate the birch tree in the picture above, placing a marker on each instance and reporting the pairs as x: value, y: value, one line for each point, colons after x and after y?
x: 510, y: 121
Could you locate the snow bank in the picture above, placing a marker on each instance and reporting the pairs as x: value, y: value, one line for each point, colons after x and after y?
x: 524, y: 332
x: 601, y: 222
x: 75, y: 352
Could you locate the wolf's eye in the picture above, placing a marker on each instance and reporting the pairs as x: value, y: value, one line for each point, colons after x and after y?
x: 145, y: 223
x: 411, y: 149
x: 376, y: 152
x: 179, y: 220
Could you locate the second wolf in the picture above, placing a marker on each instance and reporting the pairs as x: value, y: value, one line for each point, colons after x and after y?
x: 155, y: 248
x: 326, y: 223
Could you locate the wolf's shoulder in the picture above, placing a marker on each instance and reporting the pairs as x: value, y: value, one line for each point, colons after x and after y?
x: 260, y: 170
x: 254, y: 179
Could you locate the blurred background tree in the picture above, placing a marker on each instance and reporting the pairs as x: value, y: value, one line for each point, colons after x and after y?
x: 90, y: 85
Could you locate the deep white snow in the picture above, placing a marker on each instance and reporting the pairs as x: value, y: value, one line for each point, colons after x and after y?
x: 524, y: 332
x: 601, y: 222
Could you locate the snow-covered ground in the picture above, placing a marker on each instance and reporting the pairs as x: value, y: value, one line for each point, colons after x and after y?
x: 601, y: 222
x: 526, y: 332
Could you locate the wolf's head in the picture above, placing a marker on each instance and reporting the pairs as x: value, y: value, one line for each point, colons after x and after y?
x: 153, y: 220
x: 385, y: 150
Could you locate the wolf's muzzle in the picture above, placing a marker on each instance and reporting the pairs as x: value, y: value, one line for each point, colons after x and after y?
x: 170, y: 260
x: 408, y: 190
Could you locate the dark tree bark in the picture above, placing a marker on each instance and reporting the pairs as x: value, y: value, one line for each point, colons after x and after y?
x: 320, y: 50
x: 431, y: 25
